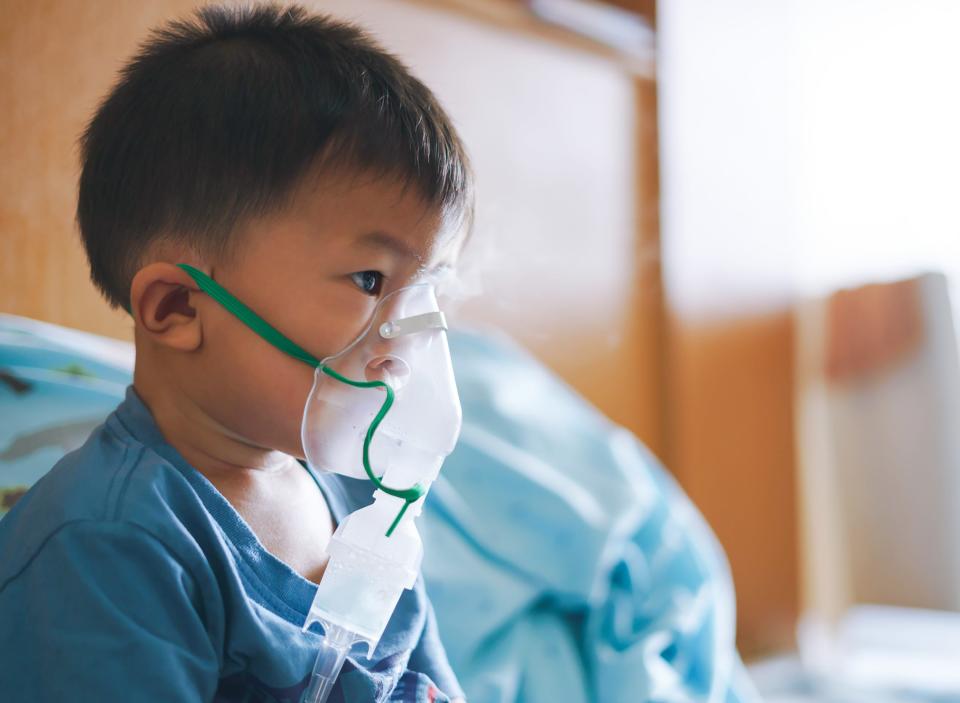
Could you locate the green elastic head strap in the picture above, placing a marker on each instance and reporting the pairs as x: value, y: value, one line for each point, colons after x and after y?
x: 281, y: 342
x: 249, y: 317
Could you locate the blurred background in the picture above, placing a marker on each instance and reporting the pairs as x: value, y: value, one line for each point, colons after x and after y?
x: 732, y: 225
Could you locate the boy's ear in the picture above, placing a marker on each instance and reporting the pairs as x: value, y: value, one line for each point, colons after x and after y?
x: 162, y: 302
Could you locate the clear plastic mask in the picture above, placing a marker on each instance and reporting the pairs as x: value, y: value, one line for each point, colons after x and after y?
x: 405, y: 347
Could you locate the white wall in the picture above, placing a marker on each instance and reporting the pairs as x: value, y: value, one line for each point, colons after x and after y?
x: 726, y: 212
x: 876, y: 133
x: 807, y: 145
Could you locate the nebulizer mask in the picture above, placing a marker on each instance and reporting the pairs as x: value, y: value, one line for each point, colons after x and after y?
x: 384, y: 408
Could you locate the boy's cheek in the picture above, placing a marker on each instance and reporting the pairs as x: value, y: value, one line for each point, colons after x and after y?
x: 258, y: 393
x: 282, y: 396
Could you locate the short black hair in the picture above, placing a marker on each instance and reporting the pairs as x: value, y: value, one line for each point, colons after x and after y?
x: 217, y: 118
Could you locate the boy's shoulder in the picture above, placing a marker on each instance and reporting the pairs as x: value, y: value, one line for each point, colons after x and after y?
x: 112, y: 478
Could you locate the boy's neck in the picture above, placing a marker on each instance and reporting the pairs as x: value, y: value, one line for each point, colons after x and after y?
x: 206, y: 445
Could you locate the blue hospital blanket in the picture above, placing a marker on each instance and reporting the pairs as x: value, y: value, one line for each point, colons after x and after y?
x: 564, y: 563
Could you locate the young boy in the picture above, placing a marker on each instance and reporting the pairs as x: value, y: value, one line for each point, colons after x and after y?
x: 175, y: 555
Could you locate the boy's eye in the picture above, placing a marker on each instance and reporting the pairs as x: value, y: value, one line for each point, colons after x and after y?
x: 370, y: 282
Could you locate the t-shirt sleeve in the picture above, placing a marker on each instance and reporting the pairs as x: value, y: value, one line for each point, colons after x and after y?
x: 430, y: 658
x: 104, y: 611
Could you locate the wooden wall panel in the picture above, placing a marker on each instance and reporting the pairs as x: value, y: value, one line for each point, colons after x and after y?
x: 56, y: 60
x: 730, y: 441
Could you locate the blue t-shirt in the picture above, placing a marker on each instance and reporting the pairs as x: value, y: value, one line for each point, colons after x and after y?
x: 125, y: 575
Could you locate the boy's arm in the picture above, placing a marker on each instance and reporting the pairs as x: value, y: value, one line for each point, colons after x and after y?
x: 104, y: 611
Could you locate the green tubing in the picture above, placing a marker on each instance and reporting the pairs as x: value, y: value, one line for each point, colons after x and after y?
x: 272, y: 335
x: 409, y: 495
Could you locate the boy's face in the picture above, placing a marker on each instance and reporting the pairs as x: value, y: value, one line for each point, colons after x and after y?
x: 315, y: 272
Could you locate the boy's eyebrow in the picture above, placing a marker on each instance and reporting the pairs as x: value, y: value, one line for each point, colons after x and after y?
x: 396, y: 246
